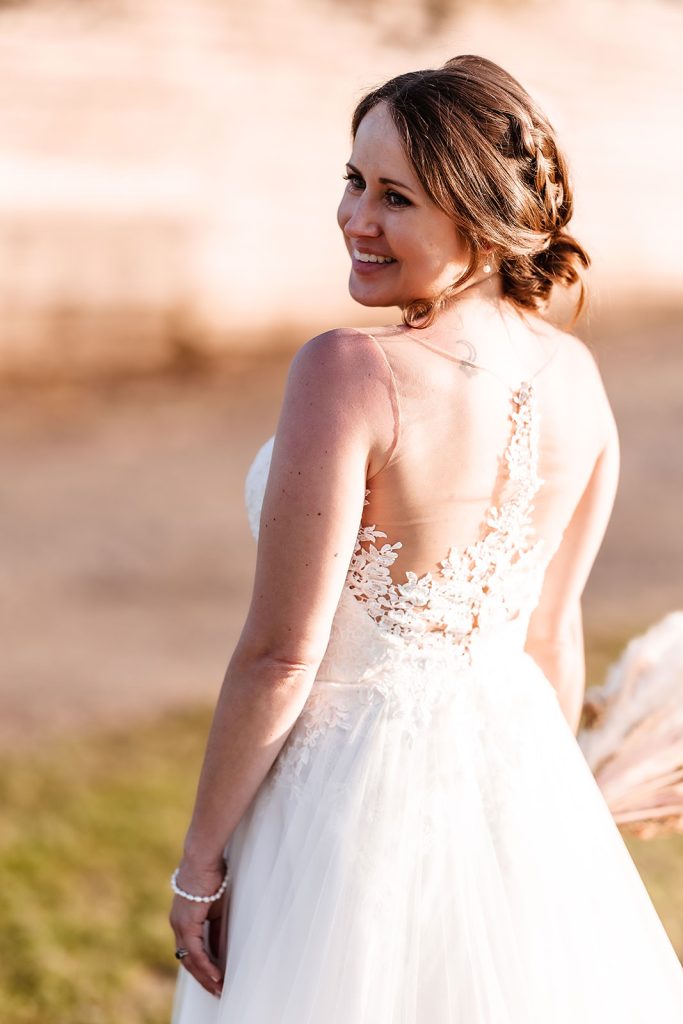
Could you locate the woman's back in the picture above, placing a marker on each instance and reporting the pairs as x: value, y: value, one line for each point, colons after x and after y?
x: 430, y: 831
x: 453, y: 422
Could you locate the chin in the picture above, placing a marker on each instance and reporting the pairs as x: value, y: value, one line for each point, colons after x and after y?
x: 366, y: 297
x: 371, y: 303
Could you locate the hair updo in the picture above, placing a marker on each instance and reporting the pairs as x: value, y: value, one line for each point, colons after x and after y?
x: 486, y: 154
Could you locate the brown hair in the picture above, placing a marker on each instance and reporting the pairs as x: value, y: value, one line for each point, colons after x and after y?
x: 486, y: 154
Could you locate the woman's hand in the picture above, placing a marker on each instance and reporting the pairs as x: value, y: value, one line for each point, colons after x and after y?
x: 188, y: 921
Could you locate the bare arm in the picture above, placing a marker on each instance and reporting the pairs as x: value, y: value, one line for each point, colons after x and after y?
x: 260, y: 700
x: 555, y: 636
x: 335, y: 429
x: 562, y: 660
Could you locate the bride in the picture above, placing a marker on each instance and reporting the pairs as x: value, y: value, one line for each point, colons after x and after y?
x: 394, y: 822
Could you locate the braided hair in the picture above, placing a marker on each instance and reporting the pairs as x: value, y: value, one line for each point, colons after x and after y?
x: 487, y: 155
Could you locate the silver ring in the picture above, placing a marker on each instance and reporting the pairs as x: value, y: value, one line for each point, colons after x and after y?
x: 180, y: 953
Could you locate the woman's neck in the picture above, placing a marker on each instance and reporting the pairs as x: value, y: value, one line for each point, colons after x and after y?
x: 481, y: 316
x: 478, y: 304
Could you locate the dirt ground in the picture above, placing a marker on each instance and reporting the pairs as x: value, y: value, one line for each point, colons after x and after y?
x: 127, y: 560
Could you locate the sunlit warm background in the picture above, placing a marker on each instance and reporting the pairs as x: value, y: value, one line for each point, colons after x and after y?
x: 169, y: 174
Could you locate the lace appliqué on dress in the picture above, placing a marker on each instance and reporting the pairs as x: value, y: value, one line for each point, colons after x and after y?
x: 487, y: 583
x: 318, y: 716
x: 326, y: 714
x: 437, y: 616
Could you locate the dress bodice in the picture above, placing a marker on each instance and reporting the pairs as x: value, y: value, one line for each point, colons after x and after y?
x: 480, y: 597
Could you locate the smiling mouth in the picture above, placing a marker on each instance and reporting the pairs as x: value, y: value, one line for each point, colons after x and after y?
x: 371, y: 257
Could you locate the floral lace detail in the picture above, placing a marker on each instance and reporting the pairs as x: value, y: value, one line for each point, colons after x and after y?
x: 319, y: 715
x: 423, y: 630
x: 410, y: 706
x: 489, y: 582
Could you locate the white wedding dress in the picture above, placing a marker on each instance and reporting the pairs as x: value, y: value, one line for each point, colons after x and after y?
x: 430, y: 846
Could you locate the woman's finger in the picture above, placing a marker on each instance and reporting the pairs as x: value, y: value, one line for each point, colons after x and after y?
x: 190, y: 936
x: 200, y: 966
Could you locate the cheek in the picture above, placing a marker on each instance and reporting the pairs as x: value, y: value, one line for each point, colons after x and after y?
x: 344, y: 211
x: 425, y: 252
x: 453, y: 244
x: 442, y: 250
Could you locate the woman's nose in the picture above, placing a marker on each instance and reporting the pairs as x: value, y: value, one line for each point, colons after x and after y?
x: 361, y: 223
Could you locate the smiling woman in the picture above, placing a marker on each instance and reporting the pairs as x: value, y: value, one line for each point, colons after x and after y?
x: 492, y: 166
x: 394, y: 821
x: 401, y: 244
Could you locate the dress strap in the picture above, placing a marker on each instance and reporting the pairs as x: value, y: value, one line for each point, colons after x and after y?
x: 477, y: 366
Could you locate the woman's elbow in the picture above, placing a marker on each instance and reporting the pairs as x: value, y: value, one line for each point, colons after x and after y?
x: 273, y: 662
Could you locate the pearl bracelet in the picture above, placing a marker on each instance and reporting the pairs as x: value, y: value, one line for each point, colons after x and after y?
x: 199, y: 899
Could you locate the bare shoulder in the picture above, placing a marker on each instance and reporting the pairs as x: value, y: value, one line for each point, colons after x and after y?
x: 572, y: 350
x: 339, y: 354
x: 340, y: 386
x: 345, y: 373
x: 573, y: 357
x: 578, y: 366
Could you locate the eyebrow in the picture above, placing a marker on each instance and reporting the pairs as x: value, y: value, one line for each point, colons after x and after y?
x: 383, y: 181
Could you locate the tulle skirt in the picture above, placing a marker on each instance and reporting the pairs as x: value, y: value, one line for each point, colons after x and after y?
x: 451, y: 864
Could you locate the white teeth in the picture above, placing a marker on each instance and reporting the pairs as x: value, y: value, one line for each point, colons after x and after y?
x: 370, y: 257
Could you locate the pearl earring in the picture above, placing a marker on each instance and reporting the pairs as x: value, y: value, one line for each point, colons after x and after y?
x: 487, y: 268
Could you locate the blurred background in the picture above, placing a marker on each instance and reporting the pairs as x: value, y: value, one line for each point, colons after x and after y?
x: 170, y: 171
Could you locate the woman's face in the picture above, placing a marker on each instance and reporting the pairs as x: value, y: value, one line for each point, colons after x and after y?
x: 402, y: 246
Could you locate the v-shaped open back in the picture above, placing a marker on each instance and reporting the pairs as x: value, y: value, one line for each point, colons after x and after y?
x: 490, y: 580
x: 458, y: 526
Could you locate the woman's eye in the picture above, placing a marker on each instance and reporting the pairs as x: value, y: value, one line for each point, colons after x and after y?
x: 396, y: 199
x: 393, y: 199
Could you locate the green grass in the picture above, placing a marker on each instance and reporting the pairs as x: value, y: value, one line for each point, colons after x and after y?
x: 89, y: 834
x: 660, y: 862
